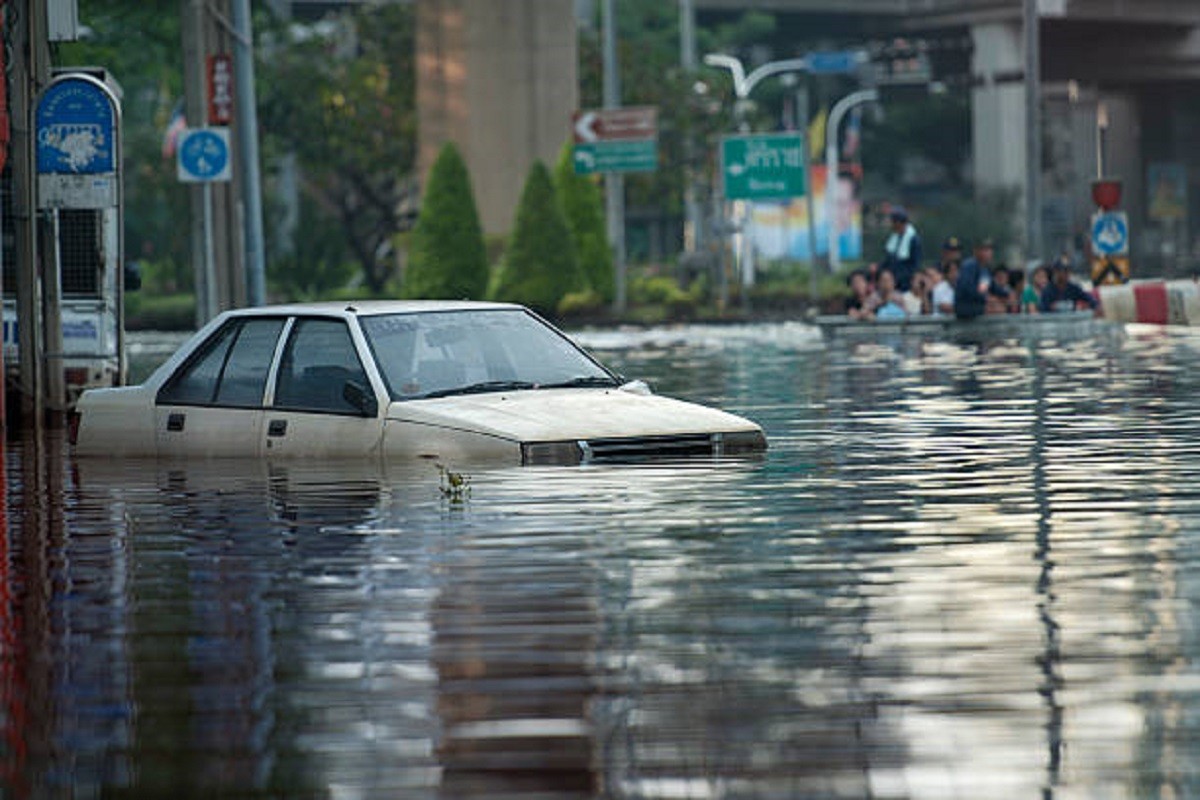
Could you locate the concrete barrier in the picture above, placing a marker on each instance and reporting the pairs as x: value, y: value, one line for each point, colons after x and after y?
x: 1174, y: 302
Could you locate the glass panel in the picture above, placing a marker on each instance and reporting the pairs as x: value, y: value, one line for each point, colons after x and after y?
x: 196, y: 382
x: 245, y: 375
x: 436, y: 352
x: 319, y: 359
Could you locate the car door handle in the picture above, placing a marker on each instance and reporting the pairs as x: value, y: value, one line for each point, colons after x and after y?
x: 175, y: 421
x: 277, y: 427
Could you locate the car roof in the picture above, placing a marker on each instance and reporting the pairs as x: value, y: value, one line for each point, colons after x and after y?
x: 346, y: 308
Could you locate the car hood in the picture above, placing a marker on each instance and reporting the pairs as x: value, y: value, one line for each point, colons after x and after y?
x: 544, y: 415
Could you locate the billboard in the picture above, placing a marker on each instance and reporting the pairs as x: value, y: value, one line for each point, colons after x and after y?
x: 780, y: 229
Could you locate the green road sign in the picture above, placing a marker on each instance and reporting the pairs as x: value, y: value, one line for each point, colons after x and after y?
x: 765, y: 166
x: 623, y: 155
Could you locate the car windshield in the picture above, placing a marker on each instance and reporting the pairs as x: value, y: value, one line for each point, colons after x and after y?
x: 440, y: 353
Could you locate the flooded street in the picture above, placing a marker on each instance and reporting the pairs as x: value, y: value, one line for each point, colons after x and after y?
x: 959, y: 572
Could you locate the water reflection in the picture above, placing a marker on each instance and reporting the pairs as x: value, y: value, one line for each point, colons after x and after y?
x: 961, y: 571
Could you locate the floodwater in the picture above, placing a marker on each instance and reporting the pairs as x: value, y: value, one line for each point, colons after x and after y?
x: 961, y: 571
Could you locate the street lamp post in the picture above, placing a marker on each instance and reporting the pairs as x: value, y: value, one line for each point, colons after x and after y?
x: 742, y: 86
x: 840, y: 109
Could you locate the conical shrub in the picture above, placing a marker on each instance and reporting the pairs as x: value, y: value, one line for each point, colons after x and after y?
x: 447, y: 258
x: 539, y: 265
x: 583, y: 206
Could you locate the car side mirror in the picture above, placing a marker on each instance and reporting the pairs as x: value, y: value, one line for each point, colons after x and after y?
x: 357, y: 395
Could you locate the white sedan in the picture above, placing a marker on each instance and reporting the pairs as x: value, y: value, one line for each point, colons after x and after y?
x: 451, y: 381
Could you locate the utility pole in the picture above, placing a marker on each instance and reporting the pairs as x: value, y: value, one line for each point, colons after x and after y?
x: 693, y: 234
x: 1033, y: 129
x: 614, y: 183
x: 192, y: 19
x: 247, y: 129
x: 31, y: 72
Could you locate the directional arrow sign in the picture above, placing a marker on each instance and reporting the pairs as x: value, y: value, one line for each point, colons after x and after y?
x: 616, y: 140
x: 763, y: 166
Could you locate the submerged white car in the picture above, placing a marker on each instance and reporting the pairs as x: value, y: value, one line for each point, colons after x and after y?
x: 452, y: 381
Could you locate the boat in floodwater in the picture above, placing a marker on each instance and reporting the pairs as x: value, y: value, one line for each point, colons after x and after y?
x: 1062, y: 325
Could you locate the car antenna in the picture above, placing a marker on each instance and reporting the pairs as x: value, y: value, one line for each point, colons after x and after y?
x: 352, y: 309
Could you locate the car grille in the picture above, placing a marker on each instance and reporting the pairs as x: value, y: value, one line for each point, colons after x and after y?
x: 637, y: 448
x: 696, y: 444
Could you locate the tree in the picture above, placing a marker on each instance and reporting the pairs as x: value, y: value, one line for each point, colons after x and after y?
x: 447, y: 259
x: 583, y: 208
x: 150, y: 78
x: 340, y: 95
x: 540, y: 265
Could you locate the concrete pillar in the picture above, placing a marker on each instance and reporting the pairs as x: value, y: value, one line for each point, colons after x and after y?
x: 499, y: 78
x: 998, y: 109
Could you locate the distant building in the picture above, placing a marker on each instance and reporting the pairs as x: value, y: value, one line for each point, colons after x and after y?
x: 500, y: 79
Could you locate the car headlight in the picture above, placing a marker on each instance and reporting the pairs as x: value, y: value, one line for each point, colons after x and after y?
x: 558, y: 453
x: 742, y: 442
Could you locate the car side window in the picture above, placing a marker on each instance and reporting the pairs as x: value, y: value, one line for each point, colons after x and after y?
x: 318, y: 361
x: 230, y: 370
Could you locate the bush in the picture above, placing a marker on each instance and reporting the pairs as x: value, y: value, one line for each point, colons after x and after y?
x: 539, y: 266
x: 587, y: 304
x: 447, y: 258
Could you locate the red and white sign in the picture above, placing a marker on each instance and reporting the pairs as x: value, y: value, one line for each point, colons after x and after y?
x: 616, y: 124
x: 220, y: 89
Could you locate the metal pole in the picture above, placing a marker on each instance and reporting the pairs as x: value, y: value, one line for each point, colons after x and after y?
x: 1033, y: 129
x: 247, y: 129
x: 52, y: 334
x: 614, y: 183
x: 211, y: 306
x: 840, y: 109
x: 803, y: 121
x: 31, y: 70
x: 192, y: 34
x: 693, y: 234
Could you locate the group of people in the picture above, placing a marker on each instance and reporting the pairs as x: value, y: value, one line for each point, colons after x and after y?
x: 899, y: 286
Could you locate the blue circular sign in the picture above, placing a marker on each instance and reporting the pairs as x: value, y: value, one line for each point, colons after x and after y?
x: 204, y: 155
x: 1110, y: 234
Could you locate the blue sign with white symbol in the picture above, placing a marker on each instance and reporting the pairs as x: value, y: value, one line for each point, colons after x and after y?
x: 833, y: 62
x: 76, y: 123
x: 1110, y: 233
x: 204, y: 155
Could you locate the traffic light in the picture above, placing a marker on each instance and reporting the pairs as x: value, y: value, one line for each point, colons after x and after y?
x: 901, y: 69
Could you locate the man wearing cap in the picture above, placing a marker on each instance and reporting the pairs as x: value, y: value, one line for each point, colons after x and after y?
x: 974, y: 279
x: 902, y: 250
x: 946, y: 272
x: 1063, y: 294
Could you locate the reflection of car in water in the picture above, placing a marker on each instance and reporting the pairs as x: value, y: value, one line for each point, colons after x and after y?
x: 452, y: 381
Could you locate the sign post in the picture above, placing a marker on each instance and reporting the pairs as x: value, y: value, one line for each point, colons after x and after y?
x: 203, y: 157
x: 78, y: 154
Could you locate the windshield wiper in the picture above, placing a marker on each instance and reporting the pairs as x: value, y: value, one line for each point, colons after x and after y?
x: 591, y: 380
x: 481, y: 388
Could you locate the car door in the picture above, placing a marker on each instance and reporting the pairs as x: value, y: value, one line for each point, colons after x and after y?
x: 212, y: 405
x: 312, y: 413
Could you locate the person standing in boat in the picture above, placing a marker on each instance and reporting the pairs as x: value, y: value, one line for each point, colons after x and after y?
x: 1062, y: 293
x: 902, y: 250
x: 974, y: 280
